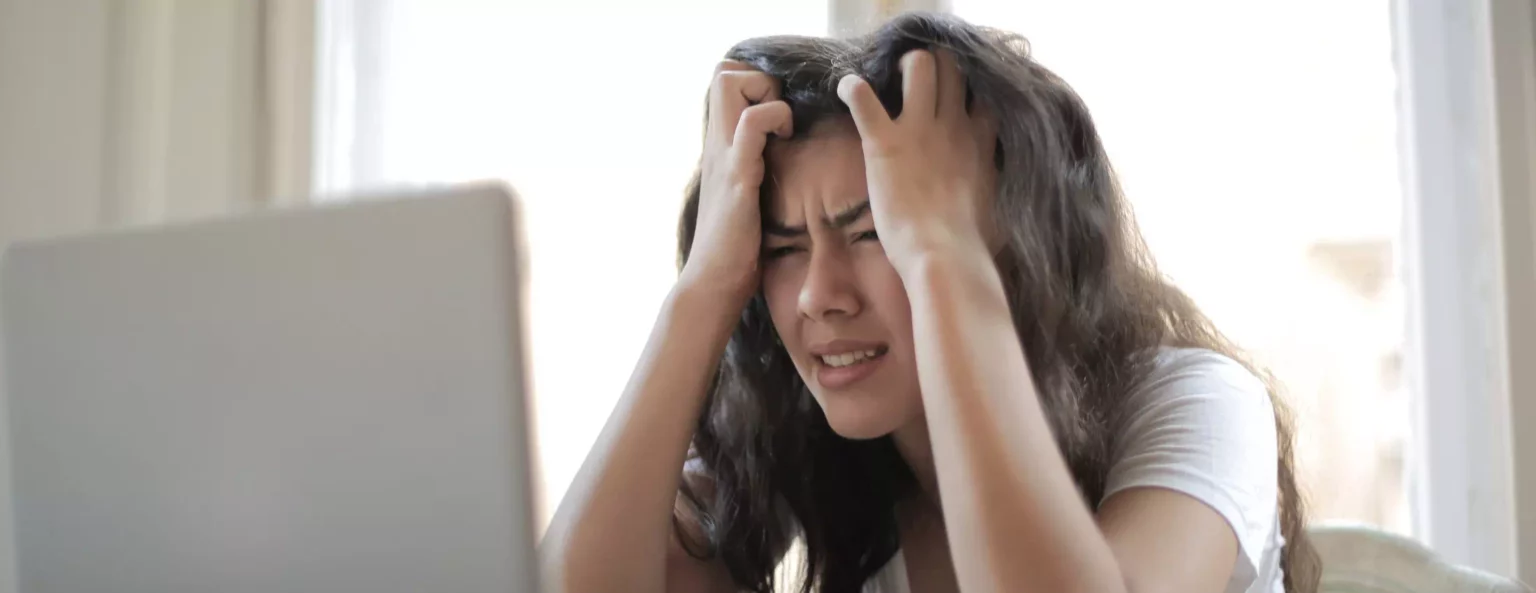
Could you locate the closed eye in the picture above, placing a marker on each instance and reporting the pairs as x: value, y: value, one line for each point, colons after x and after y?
x: 773, y: 253
x: 869, y: 235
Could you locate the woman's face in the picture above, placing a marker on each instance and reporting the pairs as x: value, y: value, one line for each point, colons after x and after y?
x: 835, y: 300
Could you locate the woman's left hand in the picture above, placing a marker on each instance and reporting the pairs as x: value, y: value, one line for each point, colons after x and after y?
x: 930, y: 171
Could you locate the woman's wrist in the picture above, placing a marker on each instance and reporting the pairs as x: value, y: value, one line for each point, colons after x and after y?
x: 952, y: 275
x: 706, y: 301
x: 916, y: 255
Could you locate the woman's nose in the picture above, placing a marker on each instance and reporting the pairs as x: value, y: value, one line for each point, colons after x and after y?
x: 829, y: 289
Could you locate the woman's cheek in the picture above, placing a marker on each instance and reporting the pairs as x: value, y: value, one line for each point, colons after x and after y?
x: 782, y: 295
x: 888, y: 296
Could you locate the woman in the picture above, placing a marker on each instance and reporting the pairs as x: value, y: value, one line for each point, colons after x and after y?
x: 916, y: 330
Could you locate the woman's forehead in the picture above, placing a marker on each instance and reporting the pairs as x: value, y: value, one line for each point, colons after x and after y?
x: 816, y: 175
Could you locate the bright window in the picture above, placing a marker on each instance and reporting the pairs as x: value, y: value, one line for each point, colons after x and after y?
x: 1258, y: 144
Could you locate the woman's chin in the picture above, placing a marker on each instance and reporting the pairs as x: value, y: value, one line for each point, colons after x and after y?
x: 861, y: 425
x: 868, y: 413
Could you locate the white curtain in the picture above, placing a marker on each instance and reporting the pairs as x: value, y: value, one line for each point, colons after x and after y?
x: 132, y: 111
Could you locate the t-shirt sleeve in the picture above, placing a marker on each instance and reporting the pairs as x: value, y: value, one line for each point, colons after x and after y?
x: 1203, y: 425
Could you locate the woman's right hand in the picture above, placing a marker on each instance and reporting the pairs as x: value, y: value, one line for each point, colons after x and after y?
x: 744, y: 107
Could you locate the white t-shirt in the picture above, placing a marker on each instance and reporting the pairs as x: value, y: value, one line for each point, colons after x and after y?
x: 1201, y: 424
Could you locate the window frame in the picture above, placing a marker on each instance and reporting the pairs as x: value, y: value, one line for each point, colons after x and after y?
x: 1459, y: 296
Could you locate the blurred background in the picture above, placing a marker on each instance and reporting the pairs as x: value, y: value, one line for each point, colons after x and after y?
x: 1345, y: 186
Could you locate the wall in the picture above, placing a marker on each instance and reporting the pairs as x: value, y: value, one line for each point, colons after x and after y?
x: 1525, y: 413
x: 1514, y: 69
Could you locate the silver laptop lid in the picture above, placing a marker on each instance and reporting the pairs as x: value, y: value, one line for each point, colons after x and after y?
x: 324, y: 400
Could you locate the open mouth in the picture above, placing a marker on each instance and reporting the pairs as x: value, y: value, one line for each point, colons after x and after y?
x: 848, y: 359
x: 846, y: 368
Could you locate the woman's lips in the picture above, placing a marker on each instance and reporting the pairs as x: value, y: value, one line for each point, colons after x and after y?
x: 854, y: 365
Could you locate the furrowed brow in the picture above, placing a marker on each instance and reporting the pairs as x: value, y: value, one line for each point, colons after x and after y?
x: 836, y: 221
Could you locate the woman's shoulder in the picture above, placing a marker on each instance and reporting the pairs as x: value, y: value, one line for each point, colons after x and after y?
x: 1196, y: 393
x: 1203, y: 424
x: 1170, y: 362
x: 1198, y: 417
x: 1183, y: 377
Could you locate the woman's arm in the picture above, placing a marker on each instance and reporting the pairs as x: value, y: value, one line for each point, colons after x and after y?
x: 1013, y: 514
x: 613, y: 530
x: 1014, y: 519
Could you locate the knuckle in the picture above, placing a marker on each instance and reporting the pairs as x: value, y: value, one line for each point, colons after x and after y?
x: 763, y: 77
x: 750, y: 82
x: 757, y: 115
x: 732, y: 79
x: 722, y: 81
x: 731, y: 65
x: 772, y: 85
x: 765, y: 116
x: 728, y: 86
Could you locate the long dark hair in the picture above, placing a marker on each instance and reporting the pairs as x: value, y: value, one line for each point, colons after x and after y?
x: 1089, y: 305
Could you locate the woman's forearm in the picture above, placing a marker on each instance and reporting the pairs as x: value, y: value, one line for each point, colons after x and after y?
x: 1014, y: 518
x: 611, y: 530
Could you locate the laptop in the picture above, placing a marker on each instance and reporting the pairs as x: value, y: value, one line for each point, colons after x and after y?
x: 320, y: 400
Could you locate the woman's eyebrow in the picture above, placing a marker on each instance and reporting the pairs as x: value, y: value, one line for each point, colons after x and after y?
x: 849, y: 216
x: 837, y: 221
x: 779, y: 229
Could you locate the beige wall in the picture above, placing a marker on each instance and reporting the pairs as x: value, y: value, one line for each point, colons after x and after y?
x: 1514, y: 65
x: 1515, y: 83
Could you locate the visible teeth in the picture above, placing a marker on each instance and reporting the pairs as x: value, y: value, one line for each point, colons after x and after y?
x: 847, y: 358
